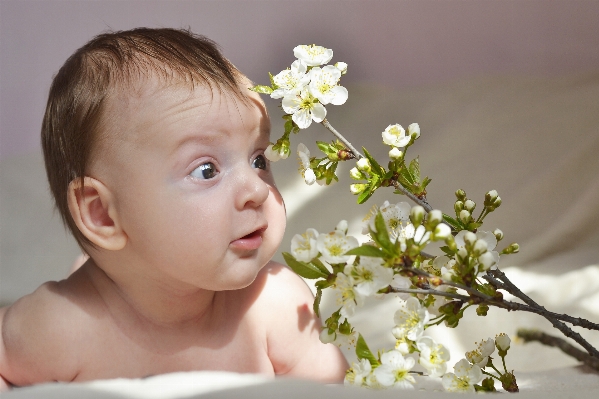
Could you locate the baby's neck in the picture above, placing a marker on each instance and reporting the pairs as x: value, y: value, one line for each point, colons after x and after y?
x: 153, y: 302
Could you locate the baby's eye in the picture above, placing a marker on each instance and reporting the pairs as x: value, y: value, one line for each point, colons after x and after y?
x: 205, y: 171
x: 260, y: 162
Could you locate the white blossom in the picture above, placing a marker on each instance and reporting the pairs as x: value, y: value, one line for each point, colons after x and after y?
x: 395, y: 153
x: 464, y: 377
x: 346, y: 295
x: 304, y: 156
x: 342, y: 67
x: 273, y: 155
x: 313, y: 55
x: 334, y: 245
x: 394, y: 370
x: 323, y: 85
x: 502, y: 342
x: 414, y: 129
x: 396, y: 217
x: 395, y: 136
x: 304, y: 108
x: 419, y: 234
x: 291, y: 81
x: 410, y: 319
x: 480, y: 356
x: 433, y: 356
x: 336, y: 338
x: 369, y: 275
x: 358, y: 373
x: 303, y: 246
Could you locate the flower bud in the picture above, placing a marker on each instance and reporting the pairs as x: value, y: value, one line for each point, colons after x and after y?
x: 414, y: 130
x: 395, y: 153
x: 355, y: 174
x: 513, y: 248
x: 357, y: 188
x: 271, y: 154
x: 458, y: 206
x: 442, y: 231
x: 434, y: 217
x: 470, y: 237
x: 502, y: 342
x: 495, y: 204
x: 342, y: 66
x: 309, y: 176
x: 417, y: 215
x: 480, y: 247
x: 498, y: 234
x: 462, y: 253
x: 450, y: 242
x: 461, y: 195
x: 465, y: 216
x: 326, y: 337
x: 342, y: 226
x: 487, y: 260
x: 364, y: 165
x: 469, y: 205
x: 490, y: 197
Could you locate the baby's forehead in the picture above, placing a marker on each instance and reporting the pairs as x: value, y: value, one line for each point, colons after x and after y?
x: 149, y: 98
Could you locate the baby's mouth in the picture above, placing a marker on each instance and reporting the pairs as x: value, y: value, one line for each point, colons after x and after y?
x: 249, y: 241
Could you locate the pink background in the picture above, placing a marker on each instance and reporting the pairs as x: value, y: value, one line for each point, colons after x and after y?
x: 394, y: 43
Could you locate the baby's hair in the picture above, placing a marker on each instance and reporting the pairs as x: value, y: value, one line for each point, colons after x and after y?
x: 80, y: 89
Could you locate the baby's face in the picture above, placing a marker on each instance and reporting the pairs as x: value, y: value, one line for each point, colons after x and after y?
x: 194, y: 192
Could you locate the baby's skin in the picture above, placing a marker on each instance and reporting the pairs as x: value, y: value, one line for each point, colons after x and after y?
x: 184, y: 215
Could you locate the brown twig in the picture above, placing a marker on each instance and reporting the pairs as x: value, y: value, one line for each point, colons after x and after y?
x: 550, y: 340
x: 567, y: 331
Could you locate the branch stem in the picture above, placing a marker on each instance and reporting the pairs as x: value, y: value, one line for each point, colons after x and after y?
x: 550, y: 340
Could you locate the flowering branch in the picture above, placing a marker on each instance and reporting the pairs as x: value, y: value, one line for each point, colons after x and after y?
x: 394, y: 261
x: 347, y: 144
x: 550, y: 340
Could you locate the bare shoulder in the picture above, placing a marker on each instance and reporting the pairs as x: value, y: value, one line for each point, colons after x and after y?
x: 284, y: 305
x: 41, y: 333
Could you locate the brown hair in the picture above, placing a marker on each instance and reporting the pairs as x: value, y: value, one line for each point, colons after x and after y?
x: 80, y: 89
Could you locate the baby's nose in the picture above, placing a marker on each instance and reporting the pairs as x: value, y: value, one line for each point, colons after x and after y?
x: 251, y: 191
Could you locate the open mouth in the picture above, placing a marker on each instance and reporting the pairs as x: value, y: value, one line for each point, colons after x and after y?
x: 250, y: 241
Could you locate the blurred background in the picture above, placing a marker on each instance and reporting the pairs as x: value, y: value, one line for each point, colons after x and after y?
x: 506, y: 94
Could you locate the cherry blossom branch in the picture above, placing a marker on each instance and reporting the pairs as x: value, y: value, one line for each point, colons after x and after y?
x: 512, y: 289
x: 531, y: 305
x: 567, y: 348
x: 358, y: 155
x: 428, y: 292
x: 496, y: 277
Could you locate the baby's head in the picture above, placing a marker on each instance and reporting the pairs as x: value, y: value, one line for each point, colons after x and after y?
x: 153, y: 145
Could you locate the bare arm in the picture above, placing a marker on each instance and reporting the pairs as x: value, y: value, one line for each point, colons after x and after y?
x: 294, y: 346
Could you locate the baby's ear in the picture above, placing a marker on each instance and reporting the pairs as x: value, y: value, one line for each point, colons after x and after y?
x: 93, y: 209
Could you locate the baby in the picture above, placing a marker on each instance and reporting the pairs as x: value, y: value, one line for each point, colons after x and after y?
x: 154, y: 150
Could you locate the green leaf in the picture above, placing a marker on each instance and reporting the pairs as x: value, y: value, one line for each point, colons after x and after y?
x: 406, y: 178
x: 415, y: 169
x: 303, y: 269
x: 262, y: 89
x: 363, y: 352
x: 374, y: 184
x: 323, y: 146
x: 366, y: 250
x: 376, y: 168
x: 425, y: 182
x: 381, y: 235
x: 452, y: 222
x: 272, y: 81
x: 447, y: 251
x: 316, y: 305
x: 318, y: 263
